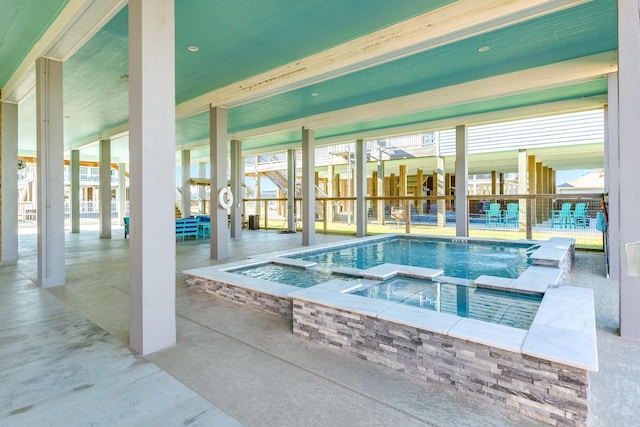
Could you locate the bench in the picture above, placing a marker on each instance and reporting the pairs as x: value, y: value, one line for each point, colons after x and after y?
x: 186, y: 227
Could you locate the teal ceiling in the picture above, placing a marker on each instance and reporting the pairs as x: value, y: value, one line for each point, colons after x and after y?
x: 238, y: 40
x: 22, y: 23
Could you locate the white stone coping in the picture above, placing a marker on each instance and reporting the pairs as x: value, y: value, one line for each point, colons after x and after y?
x: 389, y: 270
x: 534, y: 279
x: 563, y: 331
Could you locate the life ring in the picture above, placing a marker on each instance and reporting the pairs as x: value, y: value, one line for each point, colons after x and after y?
x: 225, y: 198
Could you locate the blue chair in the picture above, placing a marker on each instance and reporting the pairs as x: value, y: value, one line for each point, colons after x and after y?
x: 493, y: 215
x: 562, y: 217
x: 126, y: 226
x: 580, y: 215
x: 511, y: 214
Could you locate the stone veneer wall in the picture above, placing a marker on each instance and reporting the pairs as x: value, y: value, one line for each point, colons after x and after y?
x: 254, y: 299
x: 540, y: 389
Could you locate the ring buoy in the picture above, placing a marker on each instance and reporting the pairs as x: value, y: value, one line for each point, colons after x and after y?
x: 225, y: 198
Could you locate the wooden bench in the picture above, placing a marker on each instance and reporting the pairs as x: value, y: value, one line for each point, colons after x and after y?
x: 187, y: 227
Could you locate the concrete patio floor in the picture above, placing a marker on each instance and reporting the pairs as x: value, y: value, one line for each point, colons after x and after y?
x: 232, y: 364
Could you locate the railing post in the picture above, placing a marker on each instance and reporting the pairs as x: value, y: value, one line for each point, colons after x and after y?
x: 407, y: 217
x: 529, y: 218
x: 324, y: 215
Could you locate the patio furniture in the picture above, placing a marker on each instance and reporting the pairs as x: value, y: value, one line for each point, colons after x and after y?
x: 126, y: 226
x: 580, y: 216
x: 493, y: 215
x: 187, y: 227
x: 511, y: 214
x: 562, y: 217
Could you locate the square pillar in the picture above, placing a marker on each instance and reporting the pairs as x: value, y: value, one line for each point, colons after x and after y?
x: 75, y: 191
x: 9, y: 182
x: 628, y: 154
x: 202, y: 190
x: 152, y: 147
x: 237, y: 179
x: 462, y: 182
x: 185, y: 168
x: 105, y: 188
x: 361, y: 189
x: 308, y: 188
x: 50, y: 172
x: 439, y: 186
x: 218, y: 159
x: 291, y: 190
x: 612, y: 173
x: 122, y: 192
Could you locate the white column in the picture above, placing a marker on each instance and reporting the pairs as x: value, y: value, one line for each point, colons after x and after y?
x: 152, y: 145
x: 202, y: 190
x: 308, y: 187
x: 611, y: 176
x: 9, y: 182
x: 50, y: 171
x: 442, y: 212
x: 122, y: 192
x: 629, y: 152
x: 291, y: 190
x: 523, y: 186
x: 185, y: 166
x: 218, y: 157
x: 361, y: 188
x: 105, y: 188
x: 462, y: 182
x: 237, y: 179
x: 75, y: 191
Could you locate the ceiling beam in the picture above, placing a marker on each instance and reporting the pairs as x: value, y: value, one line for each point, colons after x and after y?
x: 457, y: 21
x: 520, y: 82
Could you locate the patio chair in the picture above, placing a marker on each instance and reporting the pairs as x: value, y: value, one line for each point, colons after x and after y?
x: 580, y: 216
x: 562, y: 217
x: 126, y: 226
x: 493, y: 215
x: 511, y: 214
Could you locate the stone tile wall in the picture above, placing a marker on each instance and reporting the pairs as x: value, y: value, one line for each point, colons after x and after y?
x: 540, y: 389
x: 254, y: 299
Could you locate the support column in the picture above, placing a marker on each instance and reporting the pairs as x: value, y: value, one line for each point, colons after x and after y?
x: 308, y: 189
x: 628, y: 154
x: 380, y: 193
x: 612, y: 174
x: 50, y: 172
x: 202, y: 190
x: 75, y: 191
x: 539, y: 181
x: 105, y: 188
x: 331, y: 210
x: 501, y: 179
x: 218, y: 156
x: 185, y: 167
x: 462, y: 182
x: 9, y: 181
x: 291, y: 190
x: 237, y: 179
x: 152, y: 145
x: 439, y: 185
x: 361, y: 189
x: 493, y: 183
x: 523, y: 209
x: 122, y: 192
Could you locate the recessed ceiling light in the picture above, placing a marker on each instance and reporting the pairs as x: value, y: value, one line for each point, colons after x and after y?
x: 483, y: 49
x: 315, y: 94
x: 193, y: 48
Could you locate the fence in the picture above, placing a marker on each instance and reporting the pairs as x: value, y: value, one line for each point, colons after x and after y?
x: 89, y: 212
x: 513, y: 217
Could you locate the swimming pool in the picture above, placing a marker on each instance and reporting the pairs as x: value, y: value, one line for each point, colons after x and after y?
x: 456, y: 257
x: 290, y: 275
x: 515, y: 309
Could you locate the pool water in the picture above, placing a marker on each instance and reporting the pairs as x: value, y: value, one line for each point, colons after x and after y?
x: 290, y: 275
x: 502, y: 307
x: 462, y: 259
